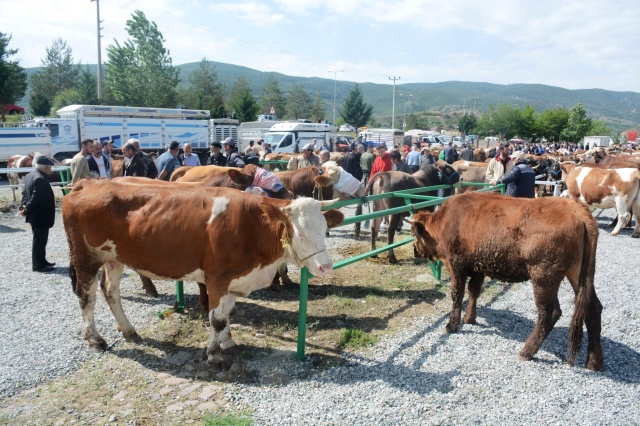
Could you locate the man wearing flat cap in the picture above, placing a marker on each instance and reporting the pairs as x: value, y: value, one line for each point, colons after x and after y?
x: 233, y: 158
x: 521, y: 181
x: 307, y: 158
x: 216, y: 158
x: 38, y: 206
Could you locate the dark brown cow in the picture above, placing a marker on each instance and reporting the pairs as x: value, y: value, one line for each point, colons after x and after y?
x: 385, y: 182
x: 232, y: 241
x: 307, y: 180
x: 514, y: 240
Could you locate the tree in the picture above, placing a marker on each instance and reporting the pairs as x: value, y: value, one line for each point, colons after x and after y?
x: 59, y: 72
x: 272, y: 97
x: 578, y: 124
x: 317, y: 108
x: 242, y: 102
x: 505, y: 119
x: 39, y: 105
x: 298, y: 104
x: 527, y: 124
x: 354, y: 110
x: 205, y: 90
x: 467, y: 123
x: 67, y: 97
x: 600, y: 128
x: 87, y: 87
x: 552, y: 122
x: 13, y: 78
x: 139, y: 72
x: 415, y: 121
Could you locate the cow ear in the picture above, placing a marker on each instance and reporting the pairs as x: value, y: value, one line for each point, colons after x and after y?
x: 419, y: 231
x: 333, y: 217
x: 322, y: 180
x: 234, y: 174
x: 272, y: 212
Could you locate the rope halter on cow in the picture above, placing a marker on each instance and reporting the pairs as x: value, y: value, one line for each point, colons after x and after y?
x: 286, y: 244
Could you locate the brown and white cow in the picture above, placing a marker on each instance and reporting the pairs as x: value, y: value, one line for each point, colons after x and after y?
x: 514, y: 240
x: 605, y: 189
x: 232, y: 241
x: 16, y: 162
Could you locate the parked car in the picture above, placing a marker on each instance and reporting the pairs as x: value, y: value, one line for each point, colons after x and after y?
x: 347, y: 128
x: 12, y: 109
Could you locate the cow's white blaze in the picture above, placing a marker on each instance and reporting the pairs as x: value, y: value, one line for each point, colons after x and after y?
x: 218, y: 207
x: 307, y: 241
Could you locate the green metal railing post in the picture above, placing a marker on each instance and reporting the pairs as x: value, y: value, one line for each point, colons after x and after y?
x: 179, y: 296
x: 302, y: 312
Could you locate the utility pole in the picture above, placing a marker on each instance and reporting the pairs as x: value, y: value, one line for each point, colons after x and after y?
x: 393, y: 107
x: 335, y: 82
x: 99, y: 50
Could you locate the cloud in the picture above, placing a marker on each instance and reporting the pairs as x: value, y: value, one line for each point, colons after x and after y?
x: 257, y: 13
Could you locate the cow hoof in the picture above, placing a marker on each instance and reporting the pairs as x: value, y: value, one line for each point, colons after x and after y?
x: 151, y: 292
x: 132, y: 337
x: 635, y: 235
x: 524, y: 357
x: 393, y: 261
x: 469, y: 321
x: 595, y: 362
x: 449, y: 329
x: 214, y: 360
x: 98, y: 345
x: 614, y: 234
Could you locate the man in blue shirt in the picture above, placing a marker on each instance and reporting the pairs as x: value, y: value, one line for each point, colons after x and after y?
x: 413, y: 159
x: 168, y: 162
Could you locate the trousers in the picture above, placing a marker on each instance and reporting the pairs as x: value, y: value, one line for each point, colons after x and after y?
x: 39, y: 249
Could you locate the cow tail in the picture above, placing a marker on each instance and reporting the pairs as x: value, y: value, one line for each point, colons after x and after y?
x: 369, y: 188
x: 585, y: 286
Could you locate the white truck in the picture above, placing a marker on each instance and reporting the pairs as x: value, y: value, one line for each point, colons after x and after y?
x: 596, y: 141
x: 253, y: 131
x: 390, y: 137
x: 283, y: 136
x: 21, y: 140
x: 155, y: 128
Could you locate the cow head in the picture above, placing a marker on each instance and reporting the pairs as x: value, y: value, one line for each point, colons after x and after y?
x: 304, y: 231
x: 244, y: 176
x: 447, y: 174
x: 321, y: 177
x: 424, y: 245
x: 333, y: 171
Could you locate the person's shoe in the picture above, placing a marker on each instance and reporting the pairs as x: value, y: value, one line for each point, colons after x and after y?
x: 44, y: 269
x: 49, y: 263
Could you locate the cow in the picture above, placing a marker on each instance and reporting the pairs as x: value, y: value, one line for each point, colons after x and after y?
x: 479, y: 155
x: 308, y: 181
x: 384, y: 182
x: 605, y: 189
x: 196, y: 173
x: 229, y: 240
x: 470, y: 174
x: 514, y: 240
x: 16, y: 162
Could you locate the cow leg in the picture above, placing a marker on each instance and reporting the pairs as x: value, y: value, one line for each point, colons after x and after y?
x: 148, y: 287
x: 636, y: 213
x: 219, y: 320
x: 283, y: 271
x: 546, y: 298
x: 457, y: 294
x: 375, y: 226
x: 85, y: 286
x: 391, y: 232
x: 111, y: 291
x: 624, y: 217
x: 204, y: 298
x: 474, y: 289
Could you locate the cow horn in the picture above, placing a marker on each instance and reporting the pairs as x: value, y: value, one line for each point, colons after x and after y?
x: 329, y: 202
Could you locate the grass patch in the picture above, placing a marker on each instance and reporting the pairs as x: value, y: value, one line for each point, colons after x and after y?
x: 355, y: 338
x: 227, y: 420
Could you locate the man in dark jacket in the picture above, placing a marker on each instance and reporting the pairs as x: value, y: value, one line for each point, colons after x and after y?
x: 450, y: 154
x: 521, y: 182
x: 233, y: 158
x: 39, y: 207
x: 216, y: 158
x: 351, y: 162
x: 466, y: 153
x: 132, y: 164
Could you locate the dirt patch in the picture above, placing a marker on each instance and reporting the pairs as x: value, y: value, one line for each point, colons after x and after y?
x: 165, y: 379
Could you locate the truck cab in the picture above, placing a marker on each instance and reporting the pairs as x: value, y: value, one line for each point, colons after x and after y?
x: 283, y: 136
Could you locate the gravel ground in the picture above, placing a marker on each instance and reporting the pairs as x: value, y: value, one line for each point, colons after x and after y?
x: 417, y: 376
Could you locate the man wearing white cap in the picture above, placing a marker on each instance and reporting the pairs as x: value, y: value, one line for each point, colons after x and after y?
x: 307, y: 158
x: 521, y: 182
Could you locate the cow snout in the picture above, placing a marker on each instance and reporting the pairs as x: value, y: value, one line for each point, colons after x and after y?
x: 324, y: 269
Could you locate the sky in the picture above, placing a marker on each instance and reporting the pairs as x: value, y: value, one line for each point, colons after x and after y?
x: 574, y: 44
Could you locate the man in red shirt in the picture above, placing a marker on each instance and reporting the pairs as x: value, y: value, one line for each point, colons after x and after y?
x: 383, y: 162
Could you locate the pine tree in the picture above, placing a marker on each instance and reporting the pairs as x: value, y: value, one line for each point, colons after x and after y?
x: 272, y: 97
x: 354, y: 110
x: 242, y: 102
x: 59, y: 72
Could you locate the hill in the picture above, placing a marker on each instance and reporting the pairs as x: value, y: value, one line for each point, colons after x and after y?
x: 621, y: 110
